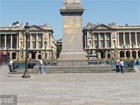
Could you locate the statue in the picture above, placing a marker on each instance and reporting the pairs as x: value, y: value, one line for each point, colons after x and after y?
x: 72, y: 1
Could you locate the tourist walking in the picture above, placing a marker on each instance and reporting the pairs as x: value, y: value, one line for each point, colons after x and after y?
x: 117, y: 65
x: 40, y: 67
x: 122, y: 66
x: 138, y: 64
x: 11, y: 65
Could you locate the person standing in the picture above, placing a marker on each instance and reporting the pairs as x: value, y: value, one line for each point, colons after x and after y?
x: 138, y: 64
x: 11, y: 65
x: 40, y: 67
x: 117, y: 65
x: 122, y: 66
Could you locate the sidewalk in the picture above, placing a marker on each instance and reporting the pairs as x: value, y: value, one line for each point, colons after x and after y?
x: 72, y: 88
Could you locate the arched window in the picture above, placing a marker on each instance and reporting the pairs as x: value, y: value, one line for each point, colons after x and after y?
x: 108, y: 55
x: 121, y: 54
x: 134, y: 54
x: 138, y: 53
x: 14, y: 55
x: 128, y: 54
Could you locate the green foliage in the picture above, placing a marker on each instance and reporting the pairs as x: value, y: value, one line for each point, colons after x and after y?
x: 59, y: 48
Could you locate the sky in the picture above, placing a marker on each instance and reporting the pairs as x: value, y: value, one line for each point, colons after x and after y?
x: 39, y: 12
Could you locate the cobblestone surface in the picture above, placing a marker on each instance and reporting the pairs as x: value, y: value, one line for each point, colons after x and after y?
x: 72, y: 88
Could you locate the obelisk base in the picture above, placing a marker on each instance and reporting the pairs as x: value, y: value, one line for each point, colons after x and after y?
x: 72, y: 59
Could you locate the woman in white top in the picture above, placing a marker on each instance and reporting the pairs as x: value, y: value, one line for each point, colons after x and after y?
x: 11, y: 65
x: 122, y: 66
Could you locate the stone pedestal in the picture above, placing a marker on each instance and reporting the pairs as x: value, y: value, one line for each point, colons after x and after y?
x: 72, y: 39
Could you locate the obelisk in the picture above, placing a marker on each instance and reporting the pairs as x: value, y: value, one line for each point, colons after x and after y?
x: 72, y: 39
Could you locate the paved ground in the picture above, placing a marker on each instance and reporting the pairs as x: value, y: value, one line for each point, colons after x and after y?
x: 72, y: 88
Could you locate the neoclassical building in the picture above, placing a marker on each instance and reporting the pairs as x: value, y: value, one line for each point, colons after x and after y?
x: 109, y: 41
x: 41, y: 43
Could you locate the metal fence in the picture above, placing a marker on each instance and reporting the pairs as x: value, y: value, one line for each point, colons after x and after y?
x: 111, y: 63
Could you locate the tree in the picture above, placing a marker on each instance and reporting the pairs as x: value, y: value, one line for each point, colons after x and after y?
x: 59, y: 48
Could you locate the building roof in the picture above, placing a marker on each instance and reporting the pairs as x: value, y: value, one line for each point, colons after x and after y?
x: 18, y: 26
x: 110, y: 26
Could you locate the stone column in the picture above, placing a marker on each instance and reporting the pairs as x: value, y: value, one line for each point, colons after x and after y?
x: 85, y: 41
x: 17, y: 42
x: 130, y: 54
x: 5, y: 41
x: 10, y: 55
x: 118, y: 55
x: 124, y: 54
x: 130, y: 39
x: 99, y: 40
x: 30, y: 41
x: 36, y: 41
x: 111, y: 40
x: 136, y: 39
x: 118, y: 36
x: 105, y: 40
x: 137, y: 54
x: 88, y: 38
x: 43, y: 41
x: 11, y: 41
x: 124, y: 38
x: 36, y: 56
x: 24, y: 36
x: 92, y: 39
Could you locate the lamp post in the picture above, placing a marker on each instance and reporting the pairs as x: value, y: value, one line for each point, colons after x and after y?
x: 8, y: 54
x: 132, y: 51
x: 124, y: 50
x: 45, y: 48
x: 52, y: 52
x: 116, y: 52
x: 96, y: 50
x: 26, y: 73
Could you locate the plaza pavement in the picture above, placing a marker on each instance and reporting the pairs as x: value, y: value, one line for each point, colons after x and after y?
x: 72, y: 88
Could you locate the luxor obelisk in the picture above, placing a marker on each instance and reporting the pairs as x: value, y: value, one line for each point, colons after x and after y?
x: 72, y: 39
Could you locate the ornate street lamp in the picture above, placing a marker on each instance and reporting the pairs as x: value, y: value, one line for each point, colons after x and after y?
x: 124, y: 51
x: 52, y: 52
x: 8, y: 58
x: 96, y: 50
x: 45, y: 48
x: 26, y: 73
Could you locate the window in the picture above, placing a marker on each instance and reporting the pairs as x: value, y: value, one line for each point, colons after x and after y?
x: 120, y: 35
x: 34, y: 36
x: 108, y: 43
x: 89, y: 43
x: 3, y: 41
x: 138, y: 38
x: 8, y: 41
x: 28, y: 44
x: 40, y: 44
x: 14, y: 41
x: 126, y: 35
x: 96, y: 36
x: 132, y: 35
x: 102, y: 35
x: 34, y: 44
x: 40, y: 36
x: 108, y: 35
x: 126, y: 43
x: 102, y: 44
x: 96, y: 44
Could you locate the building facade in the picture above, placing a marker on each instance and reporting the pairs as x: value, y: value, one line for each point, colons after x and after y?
x: 41, y: 43
x: 112, y: 41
